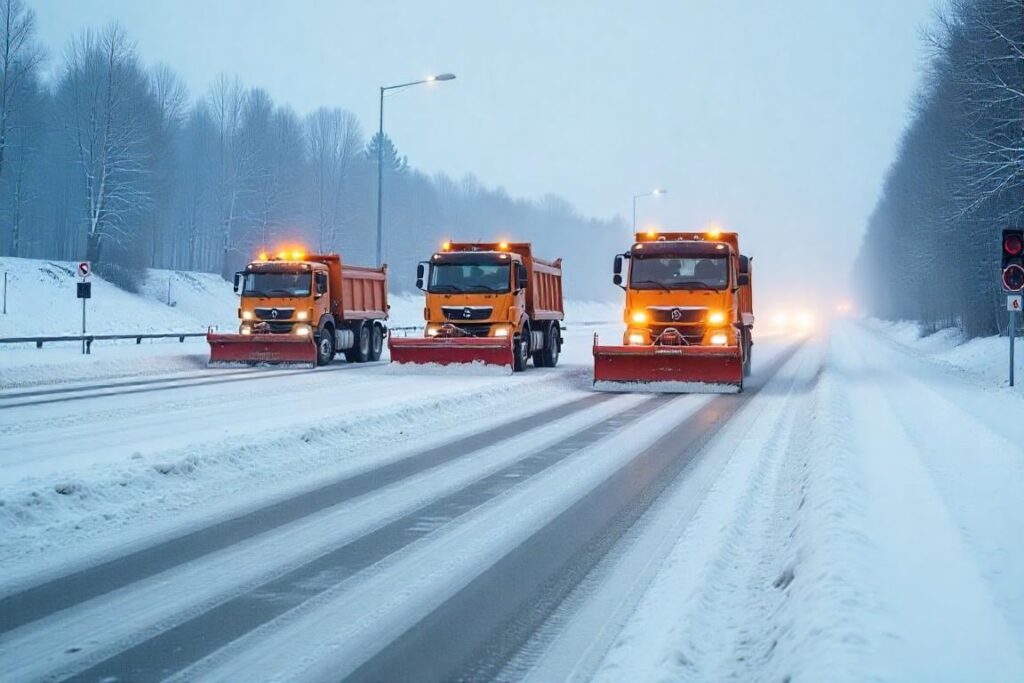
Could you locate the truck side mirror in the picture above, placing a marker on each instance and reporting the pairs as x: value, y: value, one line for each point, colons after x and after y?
x: 617, y: 271
x: 743, y: 279
x: 238, y: 281
x: 521, y: 277
x: 744, y: 264
x: 420, y: 272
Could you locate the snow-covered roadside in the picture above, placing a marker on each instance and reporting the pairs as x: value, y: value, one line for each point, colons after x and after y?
x: 872, y: 533
x: 985, y: 358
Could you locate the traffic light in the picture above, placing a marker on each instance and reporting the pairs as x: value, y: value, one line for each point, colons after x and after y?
x: 1013, y: 259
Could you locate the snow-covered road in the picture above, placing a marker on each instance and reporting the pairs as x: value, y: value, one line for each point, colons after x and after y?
x: 855, y: 514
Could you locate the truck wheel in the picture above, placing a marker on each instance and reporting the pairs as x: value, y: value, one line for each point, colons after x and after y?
x: 549, y: 354
x: 539, y: 355
x: 360, y: 351
x: 325, y: 346
x: 521, y: 351
x: 376, y: 342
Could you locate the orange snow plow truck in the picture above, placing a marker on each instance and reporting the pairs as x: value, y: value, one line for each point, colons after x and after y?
x: 489, y: 303
x: 304, y: 308
x: 689, y: 316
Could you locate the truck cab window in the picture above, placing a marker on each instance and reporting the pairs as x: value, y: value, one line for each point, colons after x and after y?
x: 277, y: 284
x: 672, y: 272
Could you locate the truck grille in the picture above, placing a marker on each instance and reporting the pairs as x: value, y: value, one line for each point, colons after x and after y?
x: 274, y: 313
x: 691, y: 334
x: 474, y: 330
x: 457, y: 313
x: 677, y: 316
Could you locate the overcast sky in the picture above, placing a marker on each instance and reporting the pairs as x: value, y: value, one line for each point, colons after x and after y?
x: 777, y: 119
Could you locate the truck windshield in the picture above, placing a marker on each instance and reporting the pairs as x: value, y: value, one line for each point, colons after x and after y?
x: 276, y: 284
x: 468, y: 277
x: 679, y: 272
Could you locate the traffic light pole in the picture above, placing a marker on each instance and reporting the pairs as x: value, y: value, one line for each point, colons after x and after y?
x: 1013, y: 334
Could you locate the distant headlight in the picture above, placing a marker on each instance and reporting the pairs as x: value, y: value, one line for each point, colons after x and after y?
x: 302, y: 315
x: 639, y: 317
x: 719, y: 339
x: 247, y: 315
x: 501, y: 331
x: 637, y: 339
x: 716, y: 318
x: 245, y: 329
x: 432, y: 331
x: 303, y: 330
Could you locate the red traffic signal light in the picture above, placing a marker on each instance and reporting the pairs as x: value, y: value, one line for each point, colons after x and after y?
x: 1013, y: 260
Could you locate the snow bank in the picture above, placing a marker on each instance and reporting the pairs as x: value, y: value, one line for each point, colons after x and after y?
x: 985, y: 358
x: 41, y: 301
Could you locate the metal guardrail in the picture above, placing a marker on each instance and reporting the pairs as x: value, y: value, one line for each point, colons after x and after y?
x: 90, y: 338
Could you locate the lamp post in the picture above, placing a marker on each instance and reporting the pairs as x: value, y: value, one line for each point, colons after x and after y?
x: 653, y: 193
x: 380, y: 154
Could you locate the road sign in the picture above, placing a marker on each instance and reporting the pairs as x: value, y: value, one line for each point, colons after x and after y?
x: 84, y: 269
x: 1015, y: 302
x: 84, y: 290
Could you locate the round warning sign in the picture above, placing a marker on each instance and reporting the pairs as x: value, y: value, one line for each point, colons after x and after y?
x: 84, y: 269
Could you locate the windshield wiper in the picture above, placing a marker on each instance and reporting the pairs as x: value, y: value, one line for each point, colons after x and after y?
x: 487, y: 288
x: 254, y: 292
x: 693, y: 283
x: 652, y: 282
x: 288, y: 292
x: 445, y: 288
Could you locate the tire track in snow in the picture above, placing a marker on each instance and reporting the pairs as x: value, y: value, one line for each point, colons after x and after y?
x: 191, y: 640
x: 39, y: 601
x: 474, y: 634
x: 145, y: 386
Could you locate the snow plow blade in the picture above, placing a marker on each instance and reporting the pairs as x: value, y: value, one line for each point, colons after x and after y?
x: 251, y: 349
x: 451, y: 350
x: 668, y: 369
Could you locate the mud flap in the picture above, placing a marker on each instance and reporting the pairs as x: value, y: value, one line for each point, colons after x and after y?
x: 668, y: 369
x: 272, y: 349
x: 451, y: 350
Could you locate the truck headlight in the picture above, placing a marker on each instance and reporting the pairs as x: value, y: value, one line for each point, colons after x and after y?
x: 501, y: 331
x: 302, y: 315
x: 639, y: 317
x: 244, y: 329
x: 246, y: 315
x: 303, y: 330
x: 719, y: 339
x: 716, y: 318
x: 637, y: 339
x: 432, y: 331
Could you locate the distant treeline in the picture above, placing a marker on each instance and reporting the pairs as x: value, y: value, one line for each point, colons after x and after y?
x: 932, y: 247
x: 117, y: 163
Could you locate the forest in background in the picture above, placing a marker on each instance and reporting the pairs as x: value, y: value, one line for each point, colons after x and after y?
x: 118, y: 163
x: 932, y: 248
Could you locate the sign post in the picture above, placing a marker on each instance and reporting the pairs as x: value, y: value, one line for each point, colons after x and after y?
x: 84, y: 292
x: 1014, y: 303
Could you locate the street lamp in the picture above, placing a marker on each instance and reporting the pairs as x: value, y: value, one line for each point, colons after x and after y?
x: 653, y: 193
x: 380, y: 153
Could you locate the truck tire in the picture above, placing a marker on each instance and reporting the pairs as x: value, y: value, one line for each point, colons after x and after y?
x: 376, y: 342
x: 325, y: 346
x: 521, y: 350
x: 360, y: 351
x: 548, y: 356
